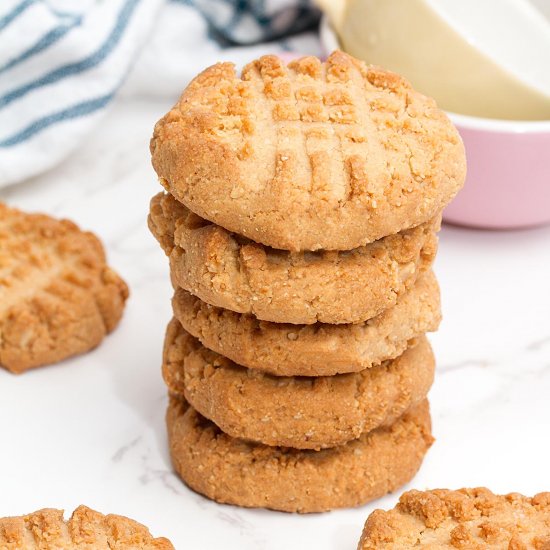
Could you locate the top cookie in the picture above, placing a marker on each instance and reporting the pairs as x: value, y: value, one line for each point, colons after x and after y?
x: 86, y: 530
x: 308, y: 156
x: 58, y: 297
x: 470, y: 519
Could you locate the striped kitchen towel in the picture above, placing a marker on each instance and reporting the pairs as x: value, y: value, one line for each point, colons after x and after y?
x: 62, y: 62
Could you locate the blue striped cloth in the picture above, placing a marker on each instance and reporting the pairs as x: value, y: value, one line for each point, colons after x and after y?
x: 62, y: 62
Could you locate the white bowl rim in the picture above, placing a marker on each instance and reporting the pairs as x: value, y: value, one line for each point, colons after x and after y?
x: 500, y: 125
x: 330, y: 41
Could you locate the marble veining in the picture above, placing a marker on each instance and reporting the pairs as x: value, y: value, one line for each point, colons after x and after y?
x: 91, y: 430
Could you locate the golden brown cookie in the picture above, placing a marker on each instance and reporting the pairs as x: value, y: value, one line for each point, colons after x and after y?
x: 231, y: 272
x: 85, y: 530
x: 58, y: 297
x: 299, y: 412
x: 234, y: 471
x: 312, y: 350
x: 467, y: 519
x: 308, y: 156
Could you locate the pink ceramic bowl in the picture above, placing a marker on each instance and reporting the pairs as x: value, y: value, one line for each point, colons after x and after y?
x: 508, y: 181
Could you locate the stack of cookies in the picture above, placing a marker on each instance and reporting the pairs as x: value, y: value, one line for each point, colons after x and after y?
x: 300, y: 220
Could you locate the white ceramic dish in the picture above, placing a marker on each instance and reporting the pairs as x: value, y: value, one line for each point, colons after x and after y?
x: 487, y: 59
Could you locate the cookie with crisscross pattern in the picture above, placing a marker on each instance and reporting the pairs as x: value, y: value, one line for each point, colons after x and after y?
x: 467, y: 519
x: 308, y: 156
x: 236, y: 471
x: 58, y: 297
x: 320, y: 349
x: 85, y: 530
x: 232, y: 272
x: 295, y: 411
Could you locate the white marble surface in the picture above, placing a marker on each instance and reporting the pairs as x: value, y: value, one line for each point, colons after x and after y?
x: 91, y: 430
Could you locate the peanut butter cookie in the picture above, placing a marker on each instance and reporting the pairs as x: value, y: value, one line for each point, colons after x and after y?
x: 234, y: 471
x: 312, y: 350
x: 58, y: 297
x: 298, y: 412
x: 308, y: 156
x: 229, y: 271
x: 85, y: 530
x: 466, y: 519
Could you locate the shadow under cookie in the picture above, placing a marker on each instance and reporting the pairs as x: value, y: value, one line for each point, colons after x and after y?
x: 229, y: 271
x: 283, y: 349
x: 298, y: 412
x: 233, y: 471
